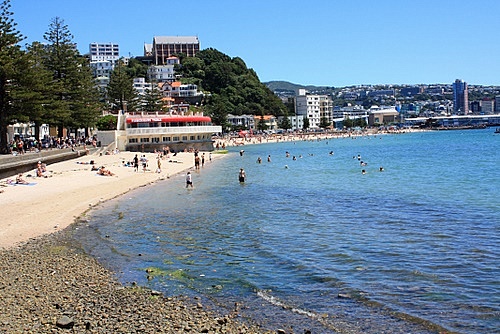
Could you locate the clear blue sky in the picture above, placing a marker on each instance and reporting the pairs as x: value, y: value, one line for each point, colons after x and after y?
x: 323, y: 42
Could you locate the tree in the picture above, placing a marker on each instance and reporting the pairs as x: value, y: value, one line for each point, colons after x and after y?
x: 348, y: 123
x: 85, y: 107
x: 152, y: 99
x: 285, y: 123
x: 192, y: 71
x: 261, y: 124
x: 361, y: 122
x: 62, y: 60
x: 324, y: 123
x: 136, y: 69
x: 306, y: 123
x: 10, y: 56
x: 35, y: 86
x: 217, y: 109
x: 120, y: 90
x: 74, y: 95
x: 107, y: 122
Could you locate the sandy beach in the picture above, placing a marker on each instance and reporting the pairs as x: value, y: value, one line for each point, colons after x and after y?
x: 70, y: 188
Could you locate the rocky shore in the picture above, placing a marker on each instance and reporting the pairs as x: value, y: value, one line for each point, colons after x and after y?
x: 48, y: 285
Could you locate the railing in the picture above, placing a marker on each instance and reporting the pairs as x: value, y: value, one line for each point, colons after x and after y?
x: 174, y: 130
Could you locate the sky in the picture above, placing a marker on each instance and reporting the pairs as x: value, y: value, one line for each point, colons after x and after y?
x: 335, y: 43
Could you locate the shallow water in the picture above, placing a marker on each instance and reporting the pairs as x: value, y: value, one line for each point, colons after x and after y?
x: 318, y: 245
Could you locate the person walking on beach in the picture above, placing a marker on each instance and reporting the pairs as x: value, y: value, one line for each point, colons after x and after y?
x: 158, y: 162
x: 144, y: 162
x: 189, y: 180
x: 136, y: 163
x: 242, y: 175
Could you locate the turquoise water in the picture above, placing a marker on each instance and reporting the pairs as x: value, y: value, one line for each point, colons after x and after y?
x: 318, y: 245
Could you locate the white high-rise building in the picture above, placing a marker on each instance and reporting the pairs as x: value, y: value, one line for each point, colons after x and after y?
x: 104, y: 52
x: 103, y: 58
x: 314, y: 107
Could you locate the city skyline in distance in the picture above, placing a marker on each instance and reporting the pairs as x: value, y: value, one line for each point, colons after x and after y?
x: 329, y: 43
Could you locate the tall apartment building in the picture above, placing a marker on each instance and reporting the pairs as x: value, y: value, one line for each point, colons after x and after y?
x: 460, y: 97
x: 497, y: 104
x: 103, y: 58
x: 314, y: 107
x: 487, y: 106
x: 104, y: 51
x: 164, y: 47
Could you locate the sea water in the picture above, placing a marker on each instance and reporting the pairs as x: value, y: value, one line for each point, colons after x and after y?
x: 309, y: 242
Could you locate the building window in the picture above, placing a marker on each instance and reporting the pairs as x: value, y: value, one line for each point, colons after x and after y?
x: 155, y: 140
x: 184, y: 137
x: 176, y: 139
x: 166, y: 138
x: 144, y: 140
x: 132, y: 140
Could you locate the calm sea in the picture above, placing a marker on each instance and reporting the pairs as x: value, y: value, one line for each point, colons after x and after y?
x: 312, y: 243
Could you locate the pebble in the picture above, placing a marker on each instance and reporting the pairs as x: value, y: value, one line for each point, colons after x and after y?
x: 48, y: 284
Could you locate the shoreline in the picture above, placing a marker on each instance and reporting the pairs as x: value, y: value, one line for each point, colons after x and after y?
x: 48, y: 283
x: 71, y: 188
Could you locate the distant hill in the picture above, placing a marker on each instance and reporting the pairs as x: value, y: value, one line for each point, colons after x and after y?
x: 285, y: 86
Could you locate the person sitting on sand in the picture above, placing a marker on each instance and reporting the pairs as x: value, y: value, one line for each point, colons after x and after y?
x: 20, y: 180
x: 40, y: 170
x: 104, y: 171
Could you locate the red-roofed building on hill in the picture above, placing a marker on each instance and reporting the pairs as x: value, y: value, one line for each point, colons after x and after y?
x: 182, y: 93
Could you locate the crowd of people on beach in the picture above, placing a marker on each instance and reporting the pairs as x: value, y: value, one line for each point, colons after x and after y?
x: 20, y: 145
